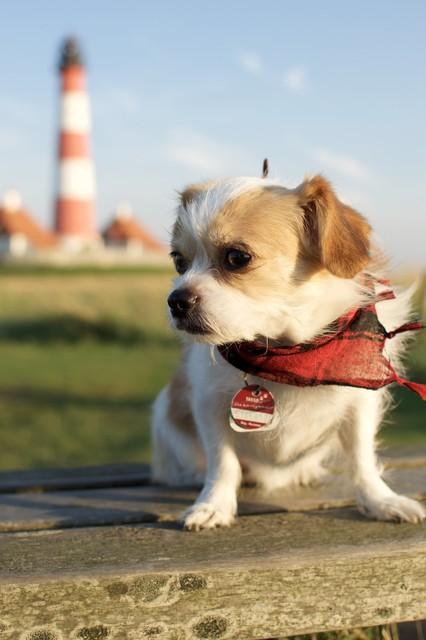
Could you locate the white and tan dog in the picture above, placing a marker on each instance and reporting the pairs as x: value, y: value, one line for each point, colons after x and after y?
x: 259, y: 261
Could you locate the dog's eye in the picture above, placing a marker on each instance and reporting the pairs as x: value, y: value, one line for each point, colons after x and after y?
x: 236, y: 259
x: 180, y: 263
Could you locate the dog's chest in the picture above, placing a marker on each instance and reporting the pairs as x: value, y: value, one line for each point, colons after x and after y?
x: 302, y: 417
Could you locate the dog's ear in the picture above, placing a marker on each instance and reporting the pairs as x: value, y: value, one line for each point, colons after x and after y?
x: 191, y: 192
x: 334, y: 234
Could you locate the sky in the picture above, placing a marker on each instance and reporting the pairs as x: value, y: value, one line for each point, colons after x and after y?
x: 189, y: 90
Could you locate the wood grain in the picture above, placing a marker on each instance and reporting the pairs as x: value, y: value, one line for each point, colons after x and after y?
x: 37, y: 480
x: 294, y: 563
x: 129, y: 505
x: 270, y: 575
x: 125, y: 475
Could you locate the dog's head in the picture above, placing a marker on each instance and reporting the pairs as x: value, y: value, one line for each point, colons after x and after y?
x: 244, y: 248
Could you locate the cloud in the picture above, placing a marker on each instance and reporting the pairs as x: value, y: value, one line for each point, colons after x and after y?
x: 200, y: 153
x: 295, y: 80
x: 342, y: 163
x: 251, y: 62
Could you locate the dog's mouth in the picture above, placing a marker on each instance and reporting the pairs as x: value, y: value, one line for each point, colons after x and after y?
x: 193, y: 326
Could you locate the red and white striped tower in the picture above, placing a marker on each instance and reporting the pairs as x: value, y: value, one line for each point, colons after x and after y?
x: 75, y: 204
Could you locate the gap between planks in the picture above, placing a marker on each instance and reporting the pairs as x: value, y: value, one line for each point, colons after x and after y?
x: 131, y: 475
x: 129, y: 505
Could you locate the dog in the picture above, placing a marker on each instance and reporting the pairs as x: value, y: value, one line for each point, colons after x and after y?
x: 256, y: 261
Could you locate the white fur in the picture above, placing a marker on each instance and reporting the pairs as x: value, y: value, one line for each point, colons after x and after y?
x: 313, y: 424
x: 197, y: 215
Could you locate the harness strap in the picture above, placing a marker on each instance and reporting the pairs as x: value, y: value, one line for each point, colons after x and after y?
x: 408, y: 326
x: 417, y: 387
x: 385, y: 295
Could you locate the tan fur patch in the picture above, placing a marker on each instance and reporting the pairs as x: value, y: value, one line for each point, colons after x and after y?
x: 335, y: 234
x: 193, y: 191
x: 179, y: 410
x: 296, y: 233
x: 265, y: 222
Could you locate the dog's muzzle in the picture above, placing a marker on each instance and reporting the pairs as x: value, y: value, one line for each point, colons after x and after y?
x: 182, y: 302
x: 185, y: 309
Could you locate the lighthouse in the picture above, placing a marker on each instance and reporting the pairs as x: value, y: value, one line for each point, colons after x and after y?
x: 75, y: 199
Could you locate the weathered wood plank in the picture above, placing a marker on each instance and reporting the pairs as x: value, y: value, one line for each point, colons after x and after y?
x: 110, y: 475
x: 269, y: 576
x: 127, y: 475
x: 127, y: 505
x: 404, y: 456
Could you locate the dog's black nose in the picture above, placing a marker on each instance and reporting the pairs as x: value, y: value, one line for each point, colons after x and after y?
x: 181, y: 301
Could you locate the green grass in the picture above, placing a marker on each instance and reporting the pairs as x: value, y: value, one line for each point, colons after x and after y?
x: 82, y: 356
x: 86, y: 404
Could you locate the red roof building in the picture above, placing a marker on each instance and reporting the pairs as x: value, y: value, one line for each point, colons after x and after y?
x: 124, y: 231
x: 19, y: 233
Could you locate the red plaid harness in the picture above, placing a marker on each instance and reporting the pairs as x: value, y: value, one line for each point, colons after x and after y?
x: 352, y: 355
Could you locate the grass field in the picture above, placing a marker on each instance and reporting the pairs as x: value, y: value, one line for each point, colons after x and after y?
x: 83, y: 354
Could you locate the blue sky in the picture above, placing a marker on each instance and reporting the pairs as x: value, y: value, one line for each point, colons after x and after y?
x: 187, y: 90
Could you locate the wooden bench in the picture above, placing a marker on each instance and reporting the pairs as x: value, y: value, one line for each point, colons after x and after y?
x: 96, y: 553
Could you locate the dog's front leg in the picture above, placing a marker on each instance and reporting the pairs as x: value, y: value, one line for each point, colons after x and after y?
x: 216, y: 505
x: 375, y: 499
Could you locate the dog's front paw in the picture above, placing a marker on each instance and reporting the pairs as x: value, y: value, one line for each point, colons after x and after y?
x: 207, y: 515
x: 392, y: 507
